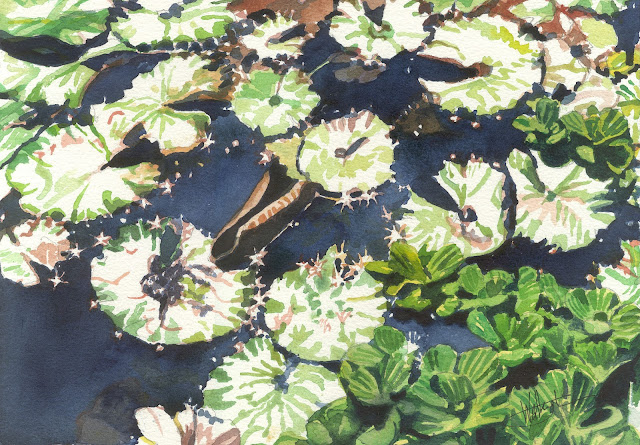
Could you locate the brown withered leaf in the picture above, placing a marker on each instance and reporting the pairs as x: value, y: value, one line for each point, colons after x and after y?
x: 304, y: 11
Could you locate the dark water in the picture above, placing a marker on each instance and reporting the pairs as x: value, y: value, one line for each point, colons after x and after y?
x: 65, y: 378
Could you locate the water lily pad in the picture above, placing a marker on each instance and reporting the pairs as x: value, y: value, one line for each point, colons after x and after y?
x: 264, y: 396
x: 39, y: 241
x: 534, y: 11
x: 599, y: 6
x: 353, y: 152
x: 561, y: 205
x: 147, y: 103
x: 64, y: 174
x: 192, y: 21
x: 562, y: 67
x: 477, y: 228
x: 270, y: 39
x: 401, y: 28
x: 155, y: 281
x: 506, y: 64
x: 54, y: 85
x: 72, y: 21
x: 320, y: 310
x: 629, y: 92
x: 624, y: 278
x: 273, y: 102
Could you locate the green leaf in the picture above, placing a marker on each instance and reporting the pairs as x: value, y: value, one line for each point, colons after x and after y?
x: 440, y: 358
x: 389, y: 339
x: 586, y: 153
x: 363, y: 385
x: 404, y: 259
x: 547, y: 112
x: 381, y: 267
x: 365, y: 355
x: 575, y: 123
x: 471, y: 279
x: 612, y: 124
x: 395, y: 373
x: 479, y: 325
x: 525, y: 123
x: 444, y: 262
x: 384, y: 435
x: 481, y: 366
x: 454, y: 388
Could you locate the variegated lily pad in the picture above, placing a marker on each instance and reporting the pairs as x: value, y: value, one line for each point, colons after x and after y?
x: 599, y: 6
x: 318, y: 311
x: 506, y: 64
x: 54, y: 85
x: 596, y: 90
x: 156, y: 282
x: 561, y: 66
x: 353, y: 152
x: 72, y: 21
x: 629, y: 92
x: 624, y: 277
x: 12, y: 135
x: 155, y: 23
x: 477, y: 228
x: 401, y: 28
x: 270, y: 40
x: 64, y: 174
x: 147, y: 103
x: 442, y: 6
x: 39, y: 241
x: 534, y: 11
x: 560, y: 205
x: 264, y: 396
x: 273, y: 102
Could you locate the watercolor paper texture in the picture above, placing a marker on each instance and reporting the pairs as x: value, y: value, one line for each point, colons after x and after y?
x: 316, y: 222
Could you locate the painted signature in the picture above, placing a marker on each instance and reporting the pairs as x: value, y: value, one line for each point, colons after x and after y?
x: 536, y: 406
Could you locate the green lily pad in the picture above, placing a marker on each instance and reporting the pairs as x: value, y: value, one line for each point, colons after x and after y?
x: 353, y: 152
x: 272, y: 102
x: 27, y: 82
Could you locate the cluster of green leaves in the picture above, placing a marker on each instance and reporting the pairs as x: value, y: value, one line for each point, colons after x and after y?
x: 577, y: 337
x: 386, y: 403
x: 600, y: 141
x: 419, y: 279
